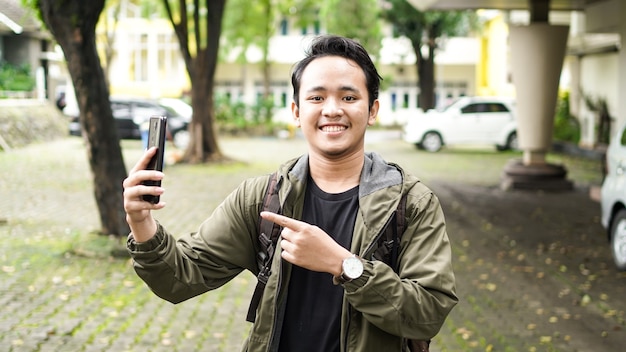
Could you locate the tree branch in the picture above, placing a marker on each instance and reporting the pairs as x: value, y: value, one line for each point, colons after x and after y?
x: 196, y: 24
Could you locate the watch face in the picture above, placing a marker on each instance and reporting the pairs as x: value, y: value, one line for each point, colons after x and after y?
x: 352, y: 267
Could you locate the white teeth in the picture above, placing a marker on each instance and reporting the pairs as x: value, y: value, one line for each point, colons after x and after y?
x: 333, y: 128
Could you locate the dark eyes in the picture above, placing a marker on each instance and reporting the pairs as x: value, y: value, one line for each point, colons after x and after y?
x: 346, y: 98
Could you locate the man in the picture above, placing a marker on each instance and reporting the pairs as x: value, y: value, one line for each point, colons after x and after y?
x: 326, y: 292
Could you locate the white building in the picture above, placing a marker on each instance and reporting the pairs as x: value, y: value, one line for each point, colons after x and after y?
x: 147, y: 63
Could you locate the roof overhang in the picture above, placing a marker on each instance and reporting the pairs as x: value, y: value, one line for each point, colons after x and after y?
x: 556, y: 5
x: 16, y: 28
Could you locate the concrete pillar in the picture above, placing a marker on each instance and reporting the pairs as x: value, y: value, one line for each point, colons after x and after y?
x: 537, y: 54
x: 620, y: 119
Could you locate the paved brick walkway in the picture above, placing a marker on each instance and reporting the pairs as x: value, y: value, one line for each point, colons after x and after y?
x: 518, y: 292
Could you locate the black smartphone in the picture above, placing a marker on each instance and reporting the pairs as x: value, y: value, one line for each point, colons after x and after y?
x: 156, y: 138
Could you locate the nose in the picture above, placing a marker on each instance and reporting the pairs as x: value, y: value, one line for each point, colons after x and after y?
x: 332, y: 108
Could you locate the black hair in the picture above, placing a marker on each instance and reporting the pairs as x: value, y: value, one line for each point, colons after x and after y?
x: 334, y: 45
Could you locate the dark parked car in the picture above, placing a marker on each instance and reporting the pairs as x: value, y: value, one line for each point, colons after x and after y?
x: 130, y: 112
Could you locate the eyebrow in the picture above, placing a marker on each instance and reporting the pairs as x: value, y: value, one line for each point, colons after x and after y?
x: 345, y: 88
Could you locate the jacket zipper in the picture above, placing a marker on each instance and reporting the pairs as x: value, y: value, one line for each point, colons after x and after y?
x: 367, y: 250
x: 380, y: 234
x: 273, y: 343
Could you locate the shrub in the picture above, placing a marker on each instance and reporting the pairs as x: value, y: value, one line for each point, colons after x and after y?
x: 566, y: 126
x: 239, y: 118
x: 16, y: 77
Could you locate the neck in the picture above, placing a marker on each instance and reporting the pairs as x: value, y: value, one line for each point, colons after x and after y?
x: 336, y: 176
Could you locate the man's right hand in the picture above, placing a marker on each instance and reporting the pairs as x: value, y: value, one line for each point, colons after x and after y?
x: 138, y: 213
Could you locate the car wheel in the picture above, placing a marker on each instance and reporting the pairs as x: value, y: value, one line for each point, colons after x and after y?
x: 511, y: 142
x: 181, y: 139
x: 432, y: 142
x: 618, y: 239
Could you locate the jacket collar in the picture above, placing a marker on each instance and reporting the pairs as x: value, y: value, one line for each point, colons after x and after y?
x: 377, y: 174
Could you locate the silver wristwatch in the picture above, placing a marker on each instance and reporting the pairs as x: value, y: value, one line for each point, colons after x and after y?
x: 351, y: 268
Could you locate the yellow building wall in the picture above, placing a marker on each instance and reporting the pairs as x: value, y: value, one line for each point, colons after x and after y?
x: 493, y: 72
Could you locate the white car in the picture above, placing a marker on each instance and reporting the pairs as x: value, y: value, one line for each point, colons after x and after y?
x: 468, y: 120
x: 613, y: 197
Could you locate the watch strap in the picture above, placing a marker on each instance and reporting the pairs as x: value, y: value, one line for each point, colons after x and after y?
x: 341, y: 279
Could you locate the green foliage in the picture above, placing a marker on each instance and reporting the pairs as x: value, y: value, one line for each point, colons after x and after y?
x: 253, y: 23
x: 566, y: 126
x: 600, y: 106
x: 427, y: 29
x: 358, y: 20
x: 419, y: 25
x: 262, y: 111
x: 238, y: 118
x: 229, y: 113
x: 33, y: 5
x: 16, y: 77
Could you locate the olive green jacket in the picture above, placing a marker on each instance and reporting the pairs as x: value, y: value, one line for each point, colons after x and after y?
x: 379, y: 308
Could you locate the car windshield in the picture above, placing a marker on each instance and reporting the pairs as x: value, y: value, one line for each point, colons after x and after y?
x: 449, y: 104
x: 170, y: 110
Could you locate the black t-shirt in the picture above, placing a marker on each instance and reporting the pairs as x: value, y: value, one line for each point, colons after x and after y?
x: 312, y: 319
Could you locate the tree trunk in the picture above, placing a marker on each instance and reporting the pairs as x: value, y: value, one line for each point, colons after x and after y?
x: 426, y: 77
x: 72, y: 23
x: 203, y: 145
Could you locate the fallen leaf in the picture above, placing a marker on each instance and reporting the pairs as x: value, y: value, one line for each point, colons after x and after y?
x: 540, y: 275
x: 585, y: 300
x: 553, y: 320
x: 610, y: 313
x: 604, y: 296
x: 545, y: 339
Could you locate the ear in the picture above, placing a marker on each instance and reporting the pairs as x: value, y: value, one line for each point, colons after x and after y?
x: 373, y: 113
x: 295, y: 113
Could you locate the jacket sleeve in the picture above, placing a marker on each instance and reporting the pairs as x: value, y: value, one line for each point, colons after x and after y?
x: 224, y: 245
x: 415, y: 302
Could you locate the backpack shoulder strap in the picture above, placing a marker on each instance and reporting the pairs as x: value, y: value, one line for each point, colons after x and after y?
x: 268, y: 236
x: 394, y: 234
x: 389, y: 242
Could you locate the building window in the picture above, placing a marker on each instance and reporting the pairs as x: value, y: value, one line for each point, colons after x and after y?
x: 139, y: 69
x: 168, y: 57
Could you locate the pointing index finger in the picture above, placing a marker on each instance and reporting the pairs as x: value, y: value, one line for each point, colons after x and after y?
x: 282, y: 220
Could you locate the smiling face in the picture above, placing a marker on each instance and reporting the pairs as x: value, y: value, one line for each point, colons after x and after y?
x: 333, y: 110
